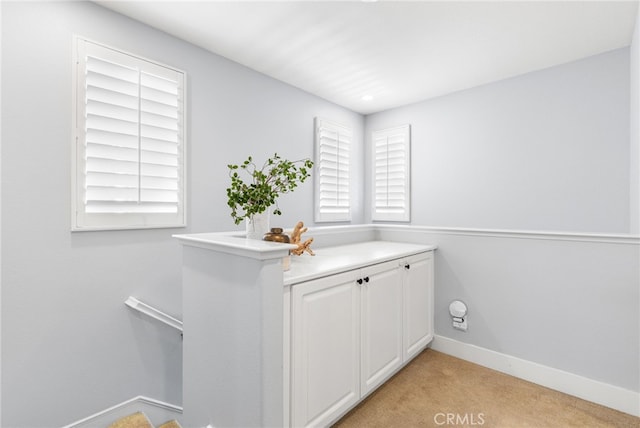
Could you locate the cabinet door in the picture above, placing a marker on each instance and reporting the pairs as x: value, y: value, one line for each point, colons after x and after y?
x: 325, y: 349
x: 418, y: 303
x: 381, y: 315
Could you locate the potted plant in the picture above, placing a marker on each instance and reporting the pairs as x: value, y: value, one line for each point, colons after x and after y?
x: 251, y: 200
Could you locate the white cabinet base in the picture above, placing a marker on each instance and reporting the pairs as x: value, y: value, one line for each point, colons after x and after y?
x: 325, y: 324
x: 350, y: 331
x: 418, y: 298
x: 381, y: 323
x: 257, y: 352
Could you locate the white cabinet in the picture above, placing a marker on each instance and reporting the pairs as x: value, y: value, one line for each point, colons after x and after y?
x: 306, y: 345
x: 381, y: 323
x: 325, y: 325
x: 351, y: 331
x: 418, y: 303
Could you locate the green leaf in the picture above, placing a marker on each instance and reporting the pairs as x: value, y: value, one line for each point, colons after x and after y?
x: 265, y: 185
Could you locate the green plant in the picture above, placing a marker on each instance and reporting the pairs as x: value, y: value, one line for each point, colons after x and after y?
x: 276, y: 177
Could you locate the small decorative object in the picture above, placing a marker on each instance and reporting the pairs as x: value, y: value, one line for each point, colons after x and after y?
x: 276, y: 177
x: 296, y: 237
x: 276, y: 235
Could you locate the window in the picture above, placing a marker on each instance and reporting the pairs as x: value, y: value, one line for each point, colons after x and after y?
x: 391, y: 174
x: 333, y: 143
x: 129, y: 148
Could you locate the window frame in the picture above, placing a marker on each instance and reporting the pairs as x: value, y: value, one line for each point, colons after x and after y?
x: 403, y: 134
x: 81, y: 220
x: 324, y: 125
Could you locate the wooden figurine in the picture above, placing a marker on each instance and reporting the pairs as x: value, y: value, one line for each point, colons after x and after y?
x: 296, y: 236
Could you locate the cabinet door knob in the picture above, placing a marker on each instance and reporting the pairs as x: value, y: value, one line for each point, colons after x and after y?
x: 366, y: 279
x: 407, y: 266
x: 359, y: 281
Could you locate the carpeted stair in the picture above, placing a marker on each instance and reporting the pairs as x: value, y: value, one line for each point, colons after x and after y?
x: 140, y: 420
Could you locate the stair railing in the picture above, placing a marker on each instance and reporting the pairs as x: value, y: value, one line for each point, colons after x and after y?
x: 154, y: 313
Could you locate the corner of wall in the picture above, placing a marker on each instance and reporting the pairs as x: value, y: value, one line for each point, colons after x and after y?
x: 0, y: 214
x: 634, y: 134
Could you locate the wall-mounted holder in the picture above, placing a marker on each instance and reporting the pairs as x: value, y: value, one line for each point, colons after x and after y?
x: 458, y: 311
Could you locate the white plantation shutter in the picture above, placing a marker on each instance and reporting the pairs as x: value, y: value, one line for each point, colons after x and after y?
x: 129, y: 151
x: 332, y: 166
x: 391, y: 174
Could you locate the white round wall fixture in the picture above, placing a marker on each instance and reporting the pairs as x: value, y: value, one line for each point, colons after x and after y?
x: 458, y: 309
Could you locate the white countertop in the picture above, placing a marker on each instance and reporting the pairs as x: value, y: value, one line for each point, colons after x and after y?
x: 330, y: 260
x: 236, y: 243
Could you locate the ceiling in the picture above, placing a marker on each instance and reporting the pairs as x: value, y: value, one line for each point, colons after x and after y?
x: 396, y: 52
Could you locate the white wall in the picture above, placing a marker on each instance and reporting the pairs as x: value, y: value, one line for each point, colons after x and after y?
x: 70, y: 347
x: 564, y: 301
x: 570, y: 305
x: 552, y: 143
x: 634, y: 158
x: 0, y: 220
x: 547, y: 150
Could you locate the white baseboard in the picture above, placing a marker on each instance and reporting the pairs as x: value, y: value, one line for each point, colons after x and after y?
x: 158, y: 412
x: 602, y: 393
